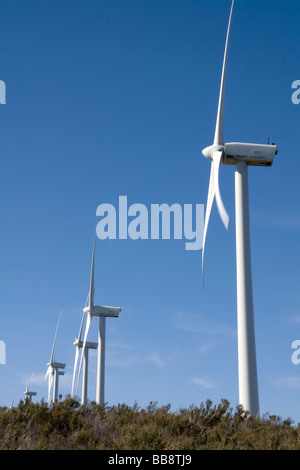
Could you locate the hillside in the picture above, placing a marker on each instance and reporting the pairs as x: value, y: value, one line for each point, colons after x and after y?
x: 66, y: 425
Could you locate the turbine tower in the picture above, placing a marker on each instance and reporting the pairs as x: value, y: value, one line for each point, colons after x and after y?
x: 78, y: 343
x: 241, y: 155
x: 102, y: 312
x: 53, y: 370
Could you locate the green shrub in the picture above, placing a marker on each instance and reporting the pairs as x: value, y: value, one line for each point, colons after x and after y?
x: 67, y: 425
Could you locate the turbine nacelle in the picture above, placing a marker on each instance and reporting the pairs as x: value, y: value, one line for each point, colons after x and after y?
x: 56, y: 365
x: 253, y: 154
x: 88, y: 344
x: 101, y: 310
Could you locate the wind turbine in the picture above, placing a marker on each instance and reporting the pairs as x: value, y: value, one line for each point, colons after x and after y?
x: 28, y: 394
x: 78, y: 343
x: 12, y: 398
x: 53, y: 370
x: 102, y: 312
x: 241, y: 155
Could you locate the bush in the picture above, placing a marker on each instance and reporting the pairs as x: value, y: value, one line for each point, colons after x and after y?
x: 67, y: 425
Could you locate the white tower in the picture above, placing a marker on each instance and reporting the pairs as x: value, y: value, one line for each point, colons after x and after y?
x: 102, y: 312
x: 79, y: 345
x: 241, y: 155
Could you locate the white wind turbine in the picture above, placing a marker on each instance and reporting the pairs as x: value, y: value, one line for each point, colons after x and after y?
x: 241, y: 155
x: 78, y: 343
x: 102, y: 312
x: 28, y: 393
x: 12, y: 398
x: 53, y: 370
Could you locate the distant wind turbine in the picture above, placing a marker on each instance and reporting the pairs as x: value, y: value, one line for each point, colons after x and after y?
x: 13, y: 398
x: 241, y: 155
x: 53, y: 370
x: 102, y: 312
x: 28, y: 393
x: 78, y: 343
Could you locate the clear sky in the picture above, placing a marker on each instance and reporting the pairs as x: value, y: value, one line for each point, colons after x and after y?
x: 119, y: 97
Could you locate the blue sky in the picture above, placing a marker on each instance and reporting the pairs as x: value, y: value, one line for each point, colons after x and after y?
x: 116, y: 98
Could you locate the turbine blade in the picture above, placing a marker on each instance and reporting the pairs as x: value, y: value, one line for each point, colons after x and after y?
x: 54, y: 341
x: 77, y: 354
x: 30, y: 381
x: 80, y: 329
x: 92, y: 282
x: 214, y: 192
x: 218, y: 140
x: 87, y: 327
x: 13, y: 397
x: 87, y: 299
x: 217, y: 157
x: 75, y: 368
x: 47, y: 373
x: 210, y: 200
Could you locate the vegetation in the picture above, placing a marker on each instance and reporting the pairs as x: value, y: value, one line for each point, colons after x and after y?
x: 67, y: 425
